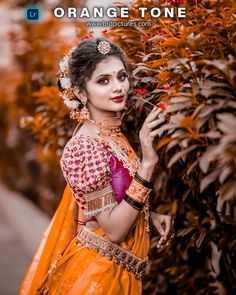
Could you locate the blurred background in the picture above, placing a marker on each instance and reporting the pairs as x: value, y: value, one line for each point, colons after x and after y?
x: 185, y: 66
x: 31, y: 183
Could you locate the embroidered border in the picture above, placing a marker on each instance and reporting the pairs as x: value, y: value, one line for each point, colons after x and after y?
x: 100, y: 200
x: 127, y: 260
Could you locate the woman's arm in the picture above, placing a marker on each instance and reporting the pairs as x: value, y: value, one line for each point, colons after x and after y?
x: 117, y: 223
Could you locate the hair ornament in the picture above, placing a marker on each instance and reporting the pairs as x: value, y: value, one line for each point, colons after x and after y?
x: 67, y: 93
x: 104, y: 47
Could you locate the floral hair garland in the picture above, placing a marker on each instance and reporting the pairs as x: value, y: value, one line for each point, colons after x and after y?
x: 67, y: 92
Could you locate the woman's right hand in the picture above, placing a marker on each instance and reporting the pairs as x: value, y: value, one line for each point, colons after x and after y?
x: 146, y: 136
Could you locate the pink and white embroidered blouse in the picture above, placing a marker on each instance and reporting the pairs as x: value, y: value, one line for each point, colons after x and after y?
x: 98, y: 180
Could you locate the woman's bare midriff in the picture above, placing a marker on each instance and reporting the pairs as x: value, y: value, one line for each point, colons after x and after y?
x: 92, y: 225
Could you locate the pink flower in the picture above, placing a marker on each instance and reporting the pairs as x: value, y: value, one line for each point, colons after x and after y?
x: 226, y: 9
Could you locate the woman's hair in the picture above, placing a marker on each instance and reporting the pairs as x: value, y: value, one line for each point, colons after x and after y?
x: 85, y: 58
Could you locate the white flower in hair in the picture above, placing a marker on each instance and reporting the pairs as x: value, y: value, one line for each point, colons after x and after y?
x: 64, y: 63
x: 71, y: 104
x: 65, y: 82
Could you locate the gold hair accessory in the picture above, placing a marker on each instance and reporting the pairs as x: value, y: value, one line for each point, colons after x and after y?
x: 104, y: 47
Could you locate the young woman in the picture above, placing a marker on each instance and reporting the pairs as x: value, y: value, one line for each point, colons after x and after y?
x: 98, y: 239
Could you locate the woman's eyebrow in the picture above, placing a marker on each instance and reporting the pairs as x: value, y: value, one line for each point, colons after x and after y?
x: 108, y: 75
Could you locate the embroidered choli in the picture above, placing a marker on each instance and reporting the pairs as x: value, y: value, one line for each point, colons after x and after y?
x: 98, y: 180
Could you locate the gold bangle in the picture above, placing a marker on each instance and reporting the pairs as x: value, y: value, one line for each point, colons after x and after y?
x: 138, y: 192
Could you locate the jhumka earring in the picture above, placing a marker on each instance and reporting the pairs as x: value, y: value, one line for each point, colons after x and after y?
x: 84, y: 113
x: 80, y: 115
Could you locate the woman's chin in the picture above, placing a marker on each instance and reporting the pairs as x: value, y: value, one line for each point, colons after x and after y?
x: 118, y: 107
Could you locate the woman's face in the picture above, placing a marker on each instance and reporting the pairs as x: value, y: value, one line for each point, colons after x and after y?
x: 107, y: 88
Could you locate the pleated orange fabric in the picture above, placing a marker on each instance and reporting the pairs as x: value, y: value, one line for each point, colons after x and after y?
x: 58, y: 234
x: 79, y: 269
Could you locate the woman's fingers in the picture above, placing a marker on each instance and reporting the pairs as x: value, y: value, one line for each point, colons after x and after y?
x: 159, y: 227
x: 155, y: 123
x: 152, y: 115
x: 154, y: 133
x: 168, y: 225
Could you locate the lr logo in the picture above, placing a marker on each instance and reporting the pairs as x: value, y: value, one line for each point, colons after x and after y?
x: 32, y: 14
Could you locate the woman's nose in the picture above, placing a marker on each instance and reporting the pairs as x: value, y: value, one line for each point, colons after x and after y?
x: 116, y: 86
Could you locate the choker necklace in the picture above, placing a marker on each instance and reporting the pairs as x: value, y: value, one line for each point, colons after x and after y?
x: 109, y: 130
x: 108, y: 127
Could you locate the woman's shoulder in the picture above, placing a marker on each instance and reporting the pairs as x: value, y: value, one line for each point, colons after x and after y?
x: 84, y: 150
x: 83, y: 143
x: 85, y: 163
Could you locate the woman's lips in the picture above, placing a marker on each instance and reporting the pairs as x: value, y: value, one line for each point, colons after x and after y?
x: 118, y: 99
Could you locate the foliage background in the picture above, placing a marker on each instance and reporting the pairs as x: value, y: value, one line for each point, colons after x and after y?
x: 188, y: 65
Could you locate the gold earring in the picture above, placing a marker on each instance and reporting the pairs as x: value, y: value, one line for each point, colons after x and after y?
x: 80, y: 115
x: 85, y: 114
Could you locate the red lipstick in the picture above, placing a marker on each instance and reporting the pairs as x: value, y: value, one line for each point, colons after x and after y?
x: 118, y: 99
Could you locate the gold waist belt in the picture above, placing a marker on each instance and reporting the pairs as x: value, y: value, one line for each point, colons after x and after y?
x: 106, y: 248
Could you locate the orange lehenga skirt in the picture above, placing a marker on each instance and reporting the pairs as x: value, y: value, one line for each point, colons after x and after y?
x: 64, y: 265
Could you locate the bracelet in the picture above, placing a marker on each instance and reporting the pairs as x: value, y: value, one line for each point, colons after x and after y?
x: 80, y: 222
x: 136, y: 205
x: 138, y: 192
x: 142, y: 181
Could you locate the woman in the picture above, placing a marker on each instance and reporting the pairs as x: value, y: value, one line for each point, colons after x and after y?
x: 98, y: 239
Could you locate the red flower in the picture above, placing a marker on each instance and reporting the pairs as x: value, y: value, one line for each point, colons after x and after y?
x: 104, y: 31
x: 175, y: 2
x: 161, y: 106
x: 160, y: 32
x: 88, y: 36
x: 208, y: 24
x: 141, y: 91
x: 144, y: 37
x: 166, y: 87
x: 218, y: 24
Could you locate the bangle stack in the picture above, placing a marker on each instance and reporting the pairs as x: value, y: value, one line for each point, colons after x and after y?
x: 138, y: 192
x: 136, y: 205
x: 144, y: 182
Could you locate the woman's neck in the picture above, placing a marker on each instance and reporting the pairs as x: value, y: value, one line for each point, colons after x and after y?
x: 100, y: 116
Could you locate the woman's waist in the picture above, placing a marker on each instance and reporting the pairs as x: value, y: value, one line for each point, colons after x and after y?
x: 94, y: 239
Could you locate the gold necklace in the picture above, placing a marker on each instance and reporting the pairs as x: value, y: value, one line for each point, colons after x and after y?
x: 109, y: 130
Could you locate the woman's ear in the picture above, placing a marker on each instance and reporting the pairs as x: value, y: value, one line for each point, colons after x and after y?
x: 80, y: 95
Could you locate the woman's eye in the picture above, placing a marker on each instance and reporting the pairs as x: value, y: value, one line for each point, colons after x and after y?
x: 123, y: 77
x: 103, y: 81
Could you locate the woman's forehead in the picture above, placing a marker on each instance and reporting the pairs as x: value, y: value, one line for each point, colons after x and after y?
x: 108, y: 66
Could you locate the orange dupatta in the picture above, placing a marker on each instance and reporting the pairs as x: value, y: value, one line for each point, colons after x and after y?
x: 57, y: 236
